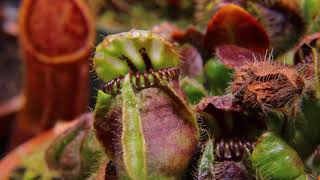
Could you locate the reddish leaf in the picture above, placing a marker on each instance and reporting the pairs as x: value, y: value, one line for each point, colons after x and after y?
x: 166, y: 30
x: 233, y: 25
x: 282, y: 20
x: 304, y: 57
x: 223, y: 103
x: 303, y: 52
x: 235, y: 56
x: 192, y: 63
x: 190, y: 35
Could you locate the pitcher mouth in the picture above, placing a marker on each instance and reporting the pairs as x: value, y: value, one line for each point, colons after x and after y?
x: 232, y: 129
x: 141, y: 80
x: 234, y: 146
x: 232, y: 149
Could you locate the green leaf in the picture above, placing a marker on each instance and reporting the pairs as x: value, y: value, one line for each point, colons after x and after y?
x: 274, y: 159
x: 102, y: 105
x: 217, y: 76
x: 207, y: 160
x: 193, y: 89
x: 132, y: 139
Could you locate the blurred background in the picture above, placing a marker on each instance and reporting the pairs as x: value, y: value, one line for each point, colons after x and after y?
x: 10, y: 69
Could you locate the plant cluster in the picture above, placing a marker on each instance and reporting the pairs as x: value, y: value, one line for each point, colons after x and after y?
x: 213, y: 104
